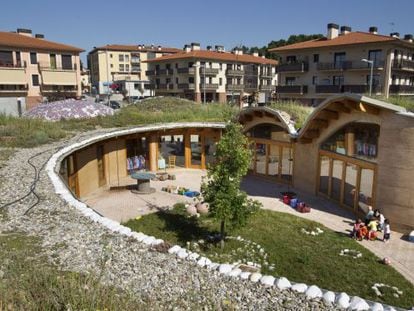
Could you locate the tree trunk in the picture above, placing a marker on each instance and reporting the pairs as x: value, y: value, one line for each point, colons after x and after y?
x: 222, y: 234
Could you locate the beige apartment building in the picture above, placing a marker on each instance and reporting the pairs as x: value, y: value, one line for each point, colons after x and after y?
x: 212, y: 74
x: 33, y: 69
x: 341, y: 62
x: 114, y: 63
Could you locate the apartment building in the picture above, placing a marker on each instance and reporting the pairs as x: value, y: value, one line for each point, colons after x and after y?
x: 341, y: 62
x: 32, y: 69
x: 113, y: 64
x: 211, y: 74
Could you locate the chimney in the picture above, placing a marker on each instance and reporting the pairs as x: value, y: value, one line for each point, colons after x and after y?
x: 332, y: 31
x: 24, y: 32
x: 373, y: 30
x: 187, y: 48
x: 345, y: 30
x: 139, y: 47
x: 159, y: 48
x: 39, y: 36
x: 256, y: 54
x: 408, y: 37
x: 195, y: 46
x: 219, y: 48
x: 209, y: 48
x: 395, y: 35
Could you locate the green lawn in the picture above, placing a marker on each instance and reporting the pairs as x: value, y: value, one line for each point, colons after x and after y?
x: 295, y: 255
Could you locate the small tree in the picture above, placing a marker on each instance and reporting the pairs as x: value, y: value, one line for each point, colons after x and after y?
x: 228, y: 204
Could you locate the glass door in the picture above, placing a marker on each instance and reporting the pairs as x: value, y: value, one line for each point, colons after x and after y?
x: 196, y: 151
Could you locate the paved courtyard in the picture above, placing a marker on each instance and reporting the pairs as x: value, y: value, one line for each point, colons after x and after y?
x: 121, y: 205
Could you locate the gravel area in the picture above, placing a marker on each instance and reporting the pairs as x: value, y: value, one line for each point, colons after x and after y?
x: 75, y: 243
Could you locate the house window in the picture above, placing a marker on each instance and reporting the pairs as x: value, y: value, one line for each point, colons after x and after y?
x: 6, y: 58
x: 221, y: 66
x: 18, y: 59
x: 67, y: 62
x: 53, y: 61
x: 176, y: 65
x: 121, y: 57
x: 127, y: 67
x: 127, y: 58
x: 221, y: 81
x: 338, y: 80
x: 176, y: 80
x: 112, y: 66
x: 315, y: 80
x: 290, y: 80
x: 315, y: 58
x: 191, y: 80
x: 376, y: 56
x: 110, y: 55
x: 121, y: 67
x: 339, y: 60
x: 136, y: 86
x: 33, y: 58
x: 210, y: 80
x: 35, y: 80
x: 291, y: 59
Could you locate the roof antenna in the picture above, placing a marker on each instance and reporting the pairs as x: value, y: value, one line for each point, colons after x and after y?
x: 392, y: 24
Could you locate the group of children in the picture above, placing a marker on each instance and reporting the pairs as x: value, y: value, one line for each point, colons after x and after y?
x: 374, y: 222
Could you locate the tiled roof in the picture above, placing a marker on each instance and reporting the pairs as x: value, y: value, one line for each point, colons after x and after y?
x: 135, y: 48
x: 348, y: 39
x: 213, y: 55
x: 15, y: 40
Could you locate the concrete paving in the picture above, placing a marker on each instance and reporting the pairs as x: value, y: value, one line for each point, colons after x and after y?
x: 121, y: 205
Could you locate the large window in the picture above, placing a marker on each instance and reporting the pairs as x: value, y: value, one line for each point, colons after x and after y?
x: 376, y: 56
x: 6, y: 58
x: 67, y: 62
x: 356, y: 139
x: 137, y: 154
x: 35, y: 80
x: 172, y: 147
x: 33, y: 58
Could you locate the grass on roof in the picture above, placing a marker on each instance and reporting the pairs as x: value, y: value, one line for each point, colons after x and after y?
x: 297, y: 111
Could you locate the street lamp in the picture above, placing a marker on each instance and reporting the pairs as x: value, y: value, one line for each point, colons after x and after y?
x: 371, y: 63
x: 204, y: 80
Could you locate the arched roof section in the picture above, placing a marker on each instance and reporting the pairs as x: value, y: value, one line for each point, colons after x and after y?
x: 332, y: 108
x: 252, y: 116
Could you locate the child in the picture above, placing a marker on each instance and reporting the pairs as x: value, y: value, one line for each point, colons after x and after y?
x: 387, y: 231
x: 355, y: 229
x: 362, y: 232
x: 373, y: 228
x: 381, y: 222
x: 369, y: 215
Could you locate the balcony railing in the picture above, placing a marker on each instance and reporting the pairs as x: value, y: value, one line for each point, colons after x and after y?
x: 234, y: 87
x: 293, y: 67
x: 58, y: 89
x: 403, y: 64
x: 265, y: 74
x: 186, y: 70
x: 250, y: 87
x: 149, y: 86
x: 209, y: 71
x: 17, y: 65
x: 328, y: 89
x: 164, y: 71
x: 150, y: 72
x: 135, y: 69
x: 349, y: 65
x: 186, y: 86
x: 292, y: 89
x: 209, y: 86
x: 135, y: 60
x: 401, y: 89
x: 234, y: 72
x: 18, y: 88
x: 49, y: 67
x: 267, y: 88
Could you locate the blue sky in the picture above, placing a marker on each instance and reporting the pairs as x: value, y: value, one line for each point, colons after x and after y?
x: 90, y: 23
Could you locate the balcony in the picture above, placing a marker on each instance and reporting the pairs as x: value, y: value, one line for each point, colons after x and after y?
x: 164, y: 72
x: 402, y: 89
x: 234, y: 72
x: 293, y: 67
x: 13, y: 89
x: 135, y: 60
x: 209, y: 87
x: 267, y: 88
x: 149, y: 86
x: 349, y: 65
x: 47, y: 89
x: 292, y: 89
x: 250, y: 87
x: 328, y: 89
x: 360, y: 88
x: 186, y: 86
x: 235, y: 87
x: 186, y: 70
x: 209, y: 71
x: 403, y: 64
x: 52, y: 75
x: 135, y: 69
x: 150, y: 72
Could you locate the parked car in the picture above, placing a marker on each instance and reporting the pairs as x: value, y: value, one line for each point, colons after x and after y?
x: 114, y: 104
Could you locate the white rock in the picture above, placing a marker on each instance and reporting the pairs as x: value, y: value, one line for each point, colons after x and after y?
x: 343, y: 300
x: 255, y: 277
x: 377, y: 307
x: 329, y: 297
x: 157, y: 242
x: 142, y: 238
x: 411, y: 236
x: 300, y: 287
x: 125, y: 230
x: 390, y: 309
x: 267, y: 280
x: 283, y: 283
x: 212, y: 265
x: 193, y: 256
x: 174, y: 249
x: 313, y: 292
x: 358, y: 304
x: 137, y: 235
x: 208, y: 262
x: 235, y: 272
x: 225, y: 268
x: 244, y: 275
x: 148, y: 240
x: 182, y: 253
x: 201, y: 262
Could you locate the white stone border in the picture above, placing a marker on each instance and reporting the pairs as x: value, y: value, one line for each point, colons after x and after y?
x: 311, y: 292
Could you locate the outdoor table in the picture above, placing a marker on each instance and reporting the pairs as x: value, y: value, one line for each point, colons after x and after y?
x: 143, y: 182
